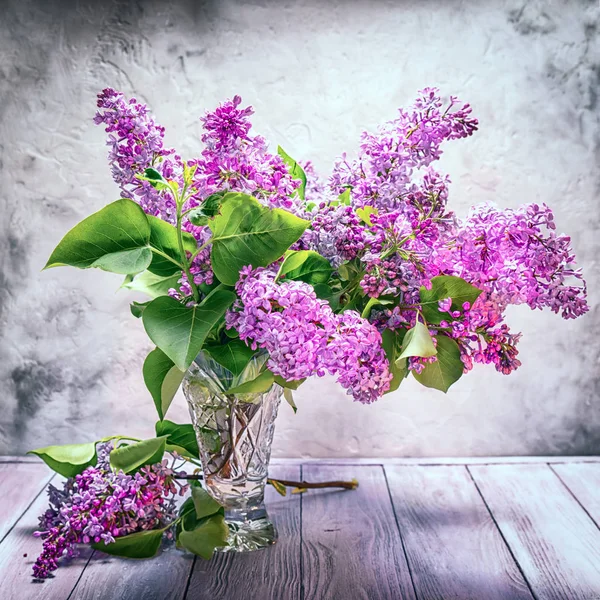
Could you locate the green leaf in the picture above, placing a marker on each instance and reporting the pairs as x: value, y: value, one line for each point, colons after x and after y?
x: 188, y: 173
x: 296, y: 171
x: 151, y: 284
x: 142, y: 544
x: 262, y: 383
x: 209, y: 208
x: 279, y: 487
x: 442, y: 287
x: 180, y: 331
x: 204, y: 504
x: 113, y: 239
x: 417, y: 342
x: 166, y: 259
x: 68, y: 460
x: 137, y: 308
x: 446, y: 370
x: 391, y: 342
x: 365, y: 213
x: 311, y: 267
x: 293, y: 259
x: 162, y: 378
x: 289, y: 398
x: 344, y: 197
x: 210, y: 534
x: 234, y: 355
x: 247, y: 233
x: 146, y: 452
x: 181, y: 436
x: 294, y: 384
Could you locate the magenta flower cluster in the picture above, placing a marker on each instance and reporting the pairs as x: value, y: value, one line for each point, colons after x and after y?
x: 304, y: 337
x: 394, y: 229
x: 100, y: 505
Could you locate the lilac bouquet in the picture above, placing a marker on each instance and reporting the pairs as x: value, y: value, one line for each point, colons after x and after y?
x: 367, y: 276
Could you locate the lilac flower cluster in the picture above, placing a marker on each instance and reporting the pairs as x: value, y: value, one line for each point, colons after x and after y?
x: 235, y: 160
x: 382, y: 173
x: 516, y: 256
x: 100, y: 505
x: 305, y: 337
x: 136, y: 143
x: 404, y: 236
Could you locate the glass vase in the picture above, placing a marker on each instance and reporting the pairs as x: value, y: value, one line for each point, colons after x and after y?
x: 234, y: 432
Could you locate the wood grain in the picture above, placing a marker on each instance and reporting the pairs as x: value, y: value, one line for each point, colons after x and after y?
x: 270, y: 574
x: 555, y: 542
x: 351, y: 545
x: 453, y: 546
x: 18, y: 552
x: 19, y: 486
x: 583, y: 480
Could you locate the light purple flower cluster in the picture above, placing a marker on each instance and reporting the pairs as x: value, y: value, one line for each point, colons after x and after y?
x: 235, y: 160
x: 100, y: 505
x: 517, y: 258
x: 382, y: 173
x: 305, y: 337
x: 136, y: 143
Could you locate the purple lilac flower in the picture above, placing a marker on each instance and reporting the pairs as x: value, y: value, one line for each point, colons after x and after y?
x: 100, y: 505
x: 136, y: 143
x: 517, y: 258
x: 235, y: 160
x: 382, y: 173
x: 304, y: 337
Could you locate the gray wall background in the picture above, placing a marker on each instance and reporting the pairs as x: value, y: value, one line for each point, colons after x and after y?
x: 317, y: 73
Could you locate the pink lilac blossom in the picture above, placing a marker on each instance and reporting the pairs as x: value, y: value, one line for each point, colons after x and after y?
x: 136, y: 143
x: 235, y: 160
x: 517, y: 258
x: 305, y: 337
x: 100, y: 505
x: 383, y: 171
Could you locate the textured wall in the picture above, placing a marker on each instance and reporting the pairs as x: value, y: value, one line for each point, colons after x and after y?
x: 316, y: 73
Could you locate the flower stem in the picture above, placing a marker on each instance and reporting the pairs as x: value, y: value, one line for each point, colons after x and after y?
x: 184, y: 259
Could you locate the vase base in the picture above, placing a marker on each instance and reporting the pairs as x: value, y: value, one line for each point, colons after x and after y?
x: 249, y: 534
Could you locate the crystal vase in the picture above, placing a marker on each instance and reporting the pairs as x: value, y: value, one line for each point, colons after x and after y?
x: 234, y: 432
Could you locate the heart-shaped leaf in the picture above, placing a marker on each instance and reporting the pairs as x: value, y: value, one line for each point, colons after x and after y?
x: 142, y: 544
x: 146, y: 452
x: 307, y: 266
x: 209, y: 208
x: 446, y: 370
x: 365, y: 213
x: 417, y: 342
x: 247, y: 233
x: 180, y: 331
x: 113, y: 239
x: 68, y: 460
x: 234, y: 355
x: 295, y: 170
x: 166, y: 258
x: 391, y: 343
x: 211, y: 533
x: 181, y: 436
x: 151, y: 284
x: 162, y: 378
x: 442, y: 287
x: 204, y: 504
x: 260, y: 384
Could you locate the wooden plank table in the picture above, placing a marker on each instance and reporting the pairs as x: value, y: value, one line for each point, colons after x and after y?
x: 422, y: 529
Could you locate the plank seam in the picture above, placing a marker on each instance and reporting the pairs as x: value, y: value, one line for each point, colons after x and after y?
x: 189, y: 579
x: 585, y: 510
x: 35, y: 497
x: 80, y: 575
x: 387, y: 485
x: 527, y: 583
